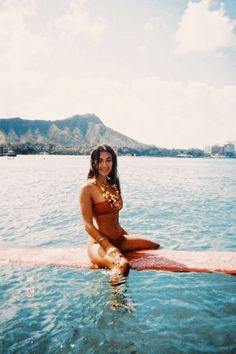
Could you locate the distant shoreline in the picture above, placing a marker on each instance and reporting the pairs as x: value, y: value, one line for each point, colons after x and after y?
x: 53, y: 149
x: 85, y: 150
x: 123, y: 155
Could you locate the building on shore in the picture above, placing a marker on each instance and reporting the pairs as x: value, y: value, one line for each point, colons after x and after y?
x: 207, y: 150
x: 229, y: 150
x: 217, y: 150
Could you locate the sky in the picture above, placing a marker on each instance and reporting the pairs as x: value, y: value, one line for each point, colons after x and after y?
x: 162, y: 72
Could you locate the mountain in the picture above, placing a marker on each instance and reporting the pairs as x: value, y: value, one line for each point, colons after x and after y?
x: 79, y: 130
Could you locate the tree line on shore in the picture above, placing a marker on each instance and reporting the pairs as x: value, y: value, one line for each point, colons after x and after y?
x: 53, y: 149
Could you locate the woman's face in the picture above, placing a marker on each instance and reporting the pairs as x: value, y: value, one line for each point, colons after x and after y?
x: 104, y: 163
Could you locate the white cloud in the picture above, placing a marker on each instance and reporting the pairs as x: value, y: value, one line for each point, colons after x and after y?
x: 19, y: 46
x: 78, y: 22
x: 159, y: 24
x: 142, y: 48
x: 23, y: 7
x: 148, y: 27
x: 151, y: 110
x: 203, y: 29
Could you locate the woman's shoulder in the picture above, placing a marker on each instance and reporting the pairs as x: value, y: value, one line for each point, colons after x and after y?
x: 87, y: 187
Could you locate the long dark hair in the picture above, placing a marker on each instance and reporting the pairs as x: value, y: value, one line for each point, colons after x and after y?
x: 94, y: 159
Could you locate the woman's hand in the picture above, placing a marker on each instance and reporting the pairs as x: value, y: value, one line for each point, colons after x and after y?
x: 115, y: 255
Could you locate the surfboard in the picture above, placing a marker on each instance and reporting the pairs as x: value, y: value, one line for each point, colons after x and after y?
x: 161, y: 259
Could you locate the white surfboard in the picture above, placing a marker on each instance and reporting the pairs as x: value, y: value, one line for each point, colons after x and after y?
x: 161, y: 259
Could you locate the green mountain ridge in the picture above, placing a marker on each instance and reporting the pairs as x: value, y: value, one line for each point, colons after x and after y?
x: 78, y: 130
x: 76, y: 135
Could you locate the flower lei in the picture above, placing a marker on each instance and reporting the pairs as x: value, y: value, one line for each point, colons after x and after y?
x: 113, y: 199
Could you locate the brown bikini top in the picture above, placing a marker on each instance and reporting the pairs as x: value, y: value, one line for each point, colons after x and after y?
x: 103, y: 208
x: 111, y: 203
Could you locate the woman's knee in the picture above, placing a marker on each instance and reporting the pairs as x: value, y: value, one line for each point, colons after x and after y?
x: 98, y: 256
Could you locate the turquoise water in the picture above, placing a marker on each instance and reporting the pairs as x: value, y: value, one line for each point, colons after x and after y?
x: 187, y: 204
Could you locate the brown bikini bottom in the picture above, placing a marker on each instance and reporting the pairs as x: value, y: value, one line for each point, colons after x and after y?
x: 117, y: 242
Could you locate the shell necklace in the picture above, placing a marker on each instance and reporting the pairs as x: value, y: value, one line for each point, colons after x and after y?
x: 112, y: 198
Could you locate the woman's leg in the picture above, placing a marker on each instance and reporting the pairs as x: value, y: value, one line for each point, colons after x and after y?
x: 137, y: 243
x: 102, y: 259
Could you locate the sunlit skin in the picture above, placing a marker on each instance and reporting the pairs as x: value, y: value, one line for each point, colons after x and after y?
x: 105, y: 254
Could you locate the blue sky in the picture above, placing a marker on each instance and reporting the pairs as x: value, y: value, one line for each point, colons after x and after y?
x: 160, y: 71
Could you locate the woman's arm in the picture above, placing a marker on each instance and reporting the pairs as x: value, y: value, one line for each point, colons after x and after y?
x: 87, y: 215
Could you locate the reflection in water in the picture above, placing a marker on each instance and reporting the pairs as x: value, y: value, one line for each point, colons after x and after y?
x: 114, y: 293
x: 120, y: 299
x: 116, y: 278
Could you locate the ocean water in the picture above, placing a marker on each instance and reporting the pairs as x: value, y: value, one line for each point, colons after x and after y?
x: 185, y: 204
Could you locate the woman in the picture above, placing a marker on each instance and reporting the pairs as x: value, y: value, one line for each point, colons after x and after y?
x: 101, y: 201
